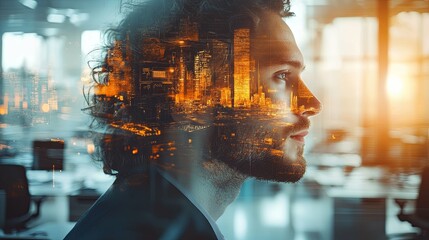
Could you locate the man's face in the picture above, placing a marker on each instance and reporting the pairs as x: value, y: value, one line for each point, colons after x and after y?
x: 268, y: 143
x: 258, y: 125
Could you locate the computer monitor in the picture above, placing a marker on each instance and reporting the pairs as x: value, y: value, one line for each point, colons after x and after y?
x: 48, y: 155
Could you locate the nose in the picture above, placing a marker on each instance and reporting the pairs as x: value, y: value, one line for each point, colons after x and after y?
x: 306, y: 104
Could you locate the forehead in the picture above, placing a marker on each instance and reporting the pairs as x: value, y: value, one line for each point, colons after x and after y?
x: 274, y: 41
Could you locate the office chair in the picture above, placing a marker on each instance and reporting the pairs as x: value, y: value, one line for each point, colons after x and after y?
x: 13, y: 181
x: 420, y: 217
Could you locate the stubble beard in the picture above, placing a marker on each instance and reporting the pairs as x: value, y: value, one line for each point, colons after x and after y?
x: 247, y: 153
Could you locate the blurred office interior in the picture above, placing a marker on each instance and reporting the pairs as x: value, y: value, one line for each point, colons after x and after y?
x: 367, y: 61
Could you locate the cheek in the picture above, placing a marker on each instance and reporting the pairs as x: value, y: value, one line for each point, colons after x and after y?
x: 292, y: 150
x: 278, y: 93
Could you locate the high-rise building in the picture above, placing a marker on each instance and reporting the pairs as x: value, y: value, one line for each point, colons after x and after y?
x: 203, y: 75
x: 220, y: 63
x: 180, y: 97
x: 242, y: 67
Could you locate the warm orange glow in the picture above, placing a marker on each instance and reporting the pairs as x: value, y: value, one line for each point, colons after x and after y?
x: 45, y: 107
x: 395, y: 86
x: 24, y: 105
x: 155, y: 149
x: 139, y: 129
x: 3, y: 110
x: 90, y: 148
x: 268, y: 141
x: 4, y: 107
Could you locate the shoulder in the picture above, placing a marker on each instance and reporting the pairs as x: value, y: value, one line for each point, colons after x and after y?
x: 136, y: 210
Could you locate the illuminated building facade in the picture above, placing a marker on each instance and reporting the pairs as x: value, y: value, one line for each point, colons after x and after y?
x: 221, y: 73
x: 203, y: 75
x: 241, y: 50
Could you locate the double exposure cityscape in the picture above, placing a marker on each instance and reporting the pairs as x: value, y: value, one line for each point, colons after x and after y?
x: 184, y: 74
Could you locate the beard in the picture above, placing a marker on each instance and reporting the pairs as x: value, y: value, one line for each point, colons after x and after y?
x: 260, y: 148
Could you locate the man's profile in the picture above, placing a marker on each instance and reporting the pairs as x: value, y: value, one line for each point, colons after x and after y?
x: 192, y: 98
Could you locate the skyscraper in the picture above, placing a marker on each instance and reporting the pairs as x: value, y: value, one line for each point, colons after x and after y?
x: 241, y: 53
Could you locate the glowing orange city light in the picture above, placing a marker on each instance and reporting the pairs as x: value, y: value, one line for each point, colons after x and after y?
x: 3, y: 110
x: 45, y: 107
x: 90, y: 148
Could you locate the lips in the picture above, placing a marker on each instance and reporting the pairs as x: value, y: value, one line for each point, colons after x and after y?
x: 299, y: 137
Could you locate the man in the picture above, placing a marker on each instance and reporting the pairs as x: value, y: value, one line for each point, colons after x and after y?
x: 192, y: 98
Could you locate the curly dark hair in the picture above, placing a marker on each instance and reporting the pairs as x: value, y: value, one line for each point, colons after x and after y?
x: 118, y: 149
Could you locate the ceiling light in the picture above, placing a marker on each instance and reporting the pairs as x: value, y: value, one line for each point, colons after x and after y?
x: 29, y: 3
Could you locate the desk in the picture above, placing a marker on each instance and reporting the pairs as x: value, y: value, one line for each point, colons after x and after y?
x: 44, y: 183
x: 362, y: 202
x: 63, y: 183
x: 61, y: 189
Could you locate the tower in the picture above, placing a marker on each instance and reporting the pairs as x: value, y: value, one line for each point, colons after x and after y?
x: 241, y: 48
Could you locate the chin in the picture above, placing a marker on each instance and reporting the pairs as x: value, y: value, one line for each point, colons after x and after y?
x: 264, y: 166
x: 278, y: 170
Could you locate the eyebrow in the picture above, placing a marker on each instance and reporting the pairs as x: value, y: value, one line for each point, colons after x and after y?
x: 294, y: 63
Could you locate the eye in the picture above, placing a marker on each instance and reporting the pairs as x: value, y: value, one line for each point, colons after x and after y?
x: 282, y: 75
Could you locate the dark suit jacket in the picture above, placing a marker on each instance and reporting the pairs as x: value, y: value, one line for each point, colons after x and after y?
x: 143, y: 206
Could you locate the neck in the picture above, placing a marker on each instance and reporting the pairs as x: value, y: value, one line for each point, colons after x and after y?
x: 212, y: 184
